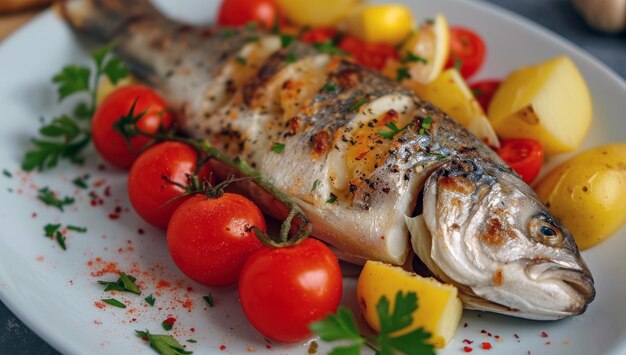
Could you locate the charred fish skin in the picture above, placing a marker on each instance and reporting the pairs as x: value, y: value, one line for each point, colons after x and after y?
x: 481, y: 228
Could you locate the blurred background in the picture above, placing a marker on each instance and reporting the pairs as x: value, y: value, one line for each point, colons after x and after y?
x: 559, y: 16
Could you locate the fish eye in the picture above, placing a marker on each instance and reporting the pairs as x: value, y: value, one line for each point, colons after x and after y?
x: 544, y: 232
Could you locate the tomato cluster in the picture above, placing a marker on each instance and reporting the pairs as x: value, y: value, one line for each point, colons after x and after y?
x: 210, y: 235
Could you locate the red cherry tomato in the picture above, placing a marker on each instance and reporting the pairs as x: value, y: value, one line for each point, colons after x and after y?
x: 148, y: 185
x: 109, y: 142
x: 468, y: 48
x: 319, y: 35
x: 211, y: 238
x: 241, y: 12
x: 525, y: 156
x: 373, y: 55
x: 484, y: 91
x: 284, y: 290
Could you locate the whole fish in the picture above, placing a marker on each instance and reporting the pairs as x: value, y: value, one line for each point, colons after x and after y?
x: 381, y: 174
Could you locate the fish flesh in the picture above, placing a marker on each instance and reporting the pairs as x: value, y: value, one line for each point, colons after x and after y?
x: 381, y: 174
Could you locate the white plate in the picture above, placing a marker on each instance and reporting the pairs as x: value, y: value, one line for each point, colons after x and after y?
x: 53, y: 291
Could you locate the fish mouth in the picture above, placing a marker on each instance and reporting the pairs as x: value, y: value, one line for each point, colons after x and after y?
x: 578, y: 280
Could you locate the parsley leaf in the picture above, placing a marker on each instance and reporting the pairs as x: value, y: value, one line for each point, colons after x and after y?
x: 402, y: 73
x: 81, y: 181
x: 315, y: 183
x: 113, y: 302
x: 277, y: 147
x: 291, y: 58
x: 49, y: 229
x: 410, y: 57
x: 358, y: 103
x: 125, y: 283
x: 115, y: 70
x: 49, y: 198
x: 77, y: 229
x: 329, y: 47
x: 286, y: 40
x: 342, y: 327
x: 332, y: 198
x: 393, y: 130
x: 167, y: 326
x: 163, y: 344
x: 7, y: 173
x: 150, y: 300
x: 72, y: 79
x: 330, y: 87
x: 425, y: 125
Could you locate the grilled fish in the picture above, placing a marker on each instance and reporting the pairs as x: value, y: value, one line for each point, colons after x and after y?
x: 381, y: 174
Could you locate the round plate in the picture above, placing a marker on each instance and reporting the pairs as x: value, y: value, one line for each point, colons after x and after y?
x: 55, y: 292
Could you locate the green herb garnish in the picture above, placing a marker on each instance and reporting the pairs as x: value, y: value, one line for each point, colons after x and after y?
x: 412, y: 58
x: 329, y: 47
x: 252, y: 38
x: 150, y: 300
x: 290, y: 58
x: 193, y: 341
x: 53, y: 231
x: 7, y: 173
x: 342, y: 327
x: 330, y: 87
x: 332, y: 198
x: 286, y: 40
x: 77, y: 228
x: 277, y: 147
x: 228, y: 32
x: 425, y: 125
x: 458, y: 64
x: 81, y: 181
x: 209, y: 300
x: 393, y: 130
x: 241, y: 60
x: 125, y: 283
x: 49, y: 198
x: 402, y: 73
x: 65, y: 137
x: 167, y: 326
x: 163, y: 344
x: 358, y: 103
x: 114, y: 302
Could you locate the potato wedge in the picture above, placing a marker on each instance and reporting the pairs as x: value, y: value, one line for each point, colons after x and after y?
x: 548, y: 102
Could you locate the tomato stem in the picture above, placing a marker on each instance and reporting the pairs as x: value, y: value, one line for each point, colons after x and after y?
x: 206, y: 151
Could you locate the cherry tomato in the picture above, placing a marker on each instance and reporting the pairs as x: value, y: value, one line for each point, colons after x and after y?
x: 241, y: 12
x: 484, y: 91
x: 319, y: 35
x: 525, y: 156
x: 284, y: 290
x: 109, y: 142
x: 468, y: 48
x: 211, y: 238
x: 148, y: 185
x: 373, y: 55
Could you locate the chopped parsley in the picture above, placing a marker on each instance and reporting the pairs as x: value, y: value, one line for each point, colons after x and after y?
x: 163, y: 344
x: 241, y: 60
x: 425, y: 125
x: 412, y: 58
x: 393, y: 130
x: 49, y: 198
x: 342, y: 327
x: 286, y: 40
x: 329, y: 47
x: 81, y: 181
x: 358, y: 103
x: 167, y: 325
x: 277, y: 147
x: 125, y: 283
x: 65, y: 137
x: 209, y: 299
x: 77, y: 228
x: 315, y: 183
x: 193, y: 341
x: 7, y: 173
x: 291, y: 58
x: 402, y: 73
x: 150, y: 300
x: 113, y: 302
x: 330, y: 87
x: 332, y: 198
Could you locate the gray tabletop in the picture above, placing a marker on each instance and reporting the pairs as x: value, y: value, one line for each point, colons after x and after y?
x: 556, y: 15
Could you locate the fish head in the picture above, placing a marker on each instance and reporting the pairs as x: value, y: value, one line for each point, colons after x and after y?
x: 491, y: 236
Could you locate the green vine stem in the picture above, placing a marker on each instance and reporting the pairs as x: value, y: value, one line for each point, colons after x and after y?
x: 206, y: 151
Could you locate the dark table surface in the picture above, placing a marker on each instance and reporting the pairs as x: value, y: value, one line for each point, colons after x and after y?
x: 556, y: 15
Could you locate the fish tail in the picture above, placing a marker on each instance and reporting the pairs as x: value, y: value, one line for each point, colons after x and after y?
x: 103, y: 19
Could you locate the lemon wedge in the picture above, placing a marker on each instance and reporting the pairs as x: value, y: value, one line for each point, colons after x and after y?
x: 439, y: 310
x: 106, y: 87
x: 426, y: 52
x: 389, y: 23
x: 316, y: 13
x: 452, y: 95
